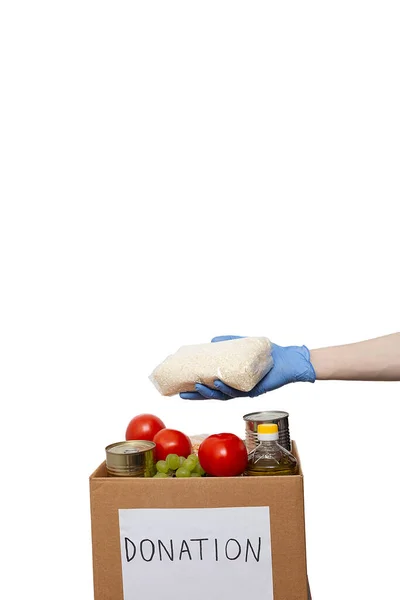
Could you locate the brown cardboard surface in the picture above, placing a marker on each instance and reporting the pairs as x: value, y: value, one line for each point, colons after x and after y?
x: 284, y: 496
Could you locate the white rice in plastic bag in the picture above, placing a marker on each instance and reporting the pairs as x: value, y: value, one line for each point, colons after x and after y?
x: 197, y: 440
x: 240, y: 363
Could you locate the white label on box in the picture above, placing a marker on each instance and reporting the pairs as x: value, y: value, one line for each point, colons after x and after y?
x: 196, y: 553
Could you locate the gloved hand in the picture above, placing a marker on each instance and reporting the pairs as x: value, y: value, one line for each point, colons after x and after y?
x: 291, y: 363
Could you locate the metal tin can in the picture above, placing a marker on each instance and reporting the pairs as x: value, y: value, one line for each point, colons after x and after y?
x: 133, y: 458
x: 280, y: 418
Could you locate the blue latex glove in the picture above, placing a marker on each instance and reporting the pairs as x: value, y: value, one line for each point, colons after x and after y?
x: 291, y: 363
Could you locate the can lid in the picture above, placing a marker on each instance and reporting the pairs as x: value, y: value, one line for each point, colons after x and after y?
x: 130, y: 447
x: 267, y: 415
x: 128, y: 455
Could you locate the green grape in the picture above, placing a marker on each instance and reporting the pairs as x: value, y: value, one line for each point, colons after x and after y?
x: 194, y: 458
x: 160, y: 475
x: 194, y: 474
x: 162, y: 466
x: 189, y: 464
x: 181, y: 460
x: 182, y: 472
x: 173, y: 462
x: 199, y: 469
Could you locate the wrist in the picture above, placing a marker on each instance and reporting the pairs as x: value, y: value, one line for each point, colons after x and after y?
x: 305, y: 367
x: 320, y: 365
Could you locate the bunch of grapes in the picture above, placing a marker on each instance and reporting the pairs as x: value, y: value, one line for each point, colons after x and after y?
x: 179, y: 466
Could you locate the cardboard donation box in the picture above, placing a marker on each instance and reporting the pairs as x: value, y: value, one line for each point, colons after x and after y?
x: 198, y: 538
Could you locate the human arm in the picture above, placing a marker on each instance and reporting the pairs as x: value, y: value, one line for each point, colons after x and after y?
x: 372, y: 360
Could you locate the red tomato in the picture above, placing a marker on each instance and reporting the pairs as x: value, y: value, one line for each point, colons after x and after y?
x: 171, y: 441
x: 143, y: 427
x: 223, y: 455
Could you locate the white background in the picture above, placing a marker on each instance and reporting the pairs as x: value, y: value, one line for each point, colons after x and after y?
x: 171, y: 171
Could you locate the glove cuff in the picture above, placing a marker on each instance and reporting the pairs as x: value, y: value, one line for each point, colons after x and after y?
x: 307, y: 372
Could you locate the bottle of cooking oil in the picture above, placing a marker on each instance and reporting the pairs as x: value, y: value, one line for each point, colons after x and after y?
x: 269, y: 457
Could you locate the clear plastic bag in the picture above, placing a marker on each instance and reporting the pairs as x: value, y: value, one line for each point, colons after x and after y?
x: 197, y: 440
x: 240, y: 363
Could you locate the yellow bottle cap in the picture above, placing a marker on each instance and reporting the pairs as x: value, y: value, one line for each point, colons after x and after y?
x: 267, y: 428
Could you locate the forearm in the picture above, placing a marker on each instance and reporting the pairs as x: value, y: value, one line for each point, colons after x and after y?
x: 372, y: 360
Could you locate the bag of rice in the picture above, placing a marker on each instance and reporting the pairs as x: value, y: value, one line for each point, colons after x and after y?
x: 197, y: 440
x: 240, y: 363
